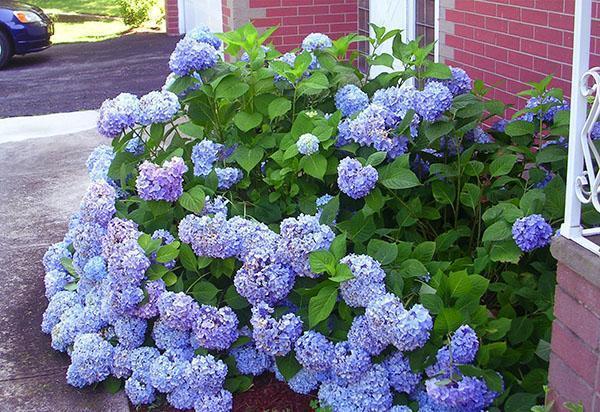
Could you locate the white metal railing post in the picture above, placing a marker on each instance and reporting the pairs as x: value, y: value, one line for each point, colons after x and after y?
x: 571, y: 228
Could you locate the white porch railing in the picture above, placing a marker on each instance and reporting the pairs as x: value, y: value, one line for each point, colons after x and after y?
x: 583, y: 173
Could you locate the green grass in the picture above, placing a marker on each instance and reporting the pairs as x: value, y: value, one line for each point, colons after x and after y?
x: 100, y: 7
x: 88, y: 31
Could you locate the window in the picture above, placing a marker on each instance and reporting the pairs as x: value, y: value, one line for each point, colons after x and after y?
x: 425, y: 20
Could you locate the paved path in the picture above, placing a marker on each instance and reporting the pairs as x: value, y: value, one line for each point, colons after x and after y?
x: 41, y: 183
x: 72, y: 77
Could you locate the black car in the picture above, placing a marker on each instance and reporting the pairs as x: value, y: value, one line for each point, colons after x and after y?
x: 23, y: 29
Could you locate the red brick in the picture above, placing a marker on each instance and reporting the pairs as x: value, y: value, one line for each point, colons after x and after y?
x: 520, y: 29
x: 344, y: 27
x: 484, y: 7
x: 548, y: 35
x: 508, y: 70
x: 455, y: 16
x: 474, y: 47
x: 525, y: 3
x: 509, y: 42
x: 455, y: 41
x: 561, y: 54
x: 282, y: 11
x: 570, y: 6
x: 568, y: 384
x: 534, y: 47
x: 554, y: 5
x: 463, y: 57
x: 485, y: 36
x: 509, y: 12
x: 475, y: 20
x: 576, y: 354
x: 531, y: 16
x: 264, y: 3
x: 492, y: 23
x: 577, y: 318
x: 567, y: 39
x: 496, y: 53
x: 463, y: 31
x: 465, y: 5
x: 561, y: 21
x: 579, y: 288
x: 266, y: 22
x: 313, y: 10
x: 298, y: 20
x: 330, y: 18
x: 486, y: 64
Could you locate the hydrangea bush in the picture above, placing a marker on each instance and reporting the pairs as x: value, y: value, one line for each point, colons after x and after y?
x: 369, y: 241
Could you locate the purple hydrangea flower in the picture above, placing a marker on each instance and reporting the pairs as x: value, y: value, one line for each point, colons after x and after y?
x: 55, y: 281
x: 95, y: 269
x: 314, y: 351
x: 99, y: 162
x: 400, y: 374
x: 130, y: 331
x: 274, y: 336
x: 191, y: 55
x: 355, y: 180
x: 252, y: 237
x: 316, y: 41
x: 128, y: 265
x: 228, y: 176
x: 263, y: 279
x: 464, y: 345
x: 54, y: 254
x: 368, y: 283
x: 158, y: 107
x: 167, y: 373
x: 204, y: 156
x: 58, y: 304
x: 178, y: 310
x: 91, y: 360
x: 460, y: 83
x: 433, y: 101
x: 166, y: 337
x: 344, y: 136
x: 299, y: 237
x: 222, y: 401
x: 304, y: 382
x: 98, y: 203
x: 209, y: 236
x: 214, y: 329
x: 394, y: 103
x: 308, y: 144
x: 138, y: 392
x: 206, y: 374
x: 552, y: 106
x: 183, y: 397
x: 500, y: 126
x: 140, y: 360
x: 161, y: 183
x: 595, y: 131
x: 349, y: 362
x: 118, y: 114
x: 350, y: 100
x: 469, y: 394
x: 150, y: 309
x: 217, y: 204
x: 251, y: 361
x: 478, y: 135
x: 202, y: 34
x: 531, y: 232
x: 360, y: 336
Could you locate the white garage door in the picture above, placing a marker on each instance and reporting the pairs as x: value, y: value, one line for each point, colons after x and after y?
x: 193, y: 13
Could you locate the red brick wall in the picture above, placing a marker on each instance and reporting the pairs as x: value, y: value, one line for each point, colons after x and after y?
x: 297, y: 18
x: 507, y: 43
x: 575, y: 361
x: 172, y: 17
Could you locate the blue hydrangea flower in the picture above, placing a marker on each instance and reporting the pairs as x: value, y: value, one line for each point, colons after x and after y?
x: 222, y: 401
x: 344, y: 136
x: 167, y: 373
x: 127, y: 267
x: 118, y: 114
x: 252, y: 238
x: 91, y: 360
x: 460, y: 83
x: 304, y: 382
x: 369, y: 393
x: 368, y: 283
x: 251, y: 361
x: 183, y: 397
x: 400, y: 408
x: 531, y: 232
x: 355, y: 180
x: 99, y: 162
x: 275, y: 337
x: 595, y: 131
x: 433, y: 101
x: 412, y: 329
x: 190, y: 55
x: 360, y: 336
x: 140, y: 360
x: 546, y: 108
x: 314, y: 351
x: 161, y: 183
x: 308, y: 144
x: 130, y: 331
x: 98, y: 203
x: 299, y: 237
x: 400, y: 374
x: 349, y: 362
x: 464, y: 344
x: 118, y: 231
x: 382, y: 317
x: 217, y: 204
x: 500, y: 126
x: 158, y: 107
x: 138, y: 392
x: 95, y: 269
x: 55, y: 281
x: 228, y: 176
x: 121, y: 367
x: 206, y: 374
x: 204, y: 156
x: 263, y: 279
x: 172, y: 78
x: 210, y: 236
x: 350, y: 100
x: 202, y: 34
x: 478, y: 135
x: 135, y: 146
x: 316, y: 41
x: 166, y: 337
x: 214, y: 329
x: 150, y: 309
x: 468, y: 394
x: 178, y: 310
x: 393, y: 103
x: 58, y: 304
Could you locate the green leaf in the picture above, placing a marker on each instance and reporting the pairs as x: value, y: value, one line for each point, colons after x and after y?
x: 360, y: 228
x: 342, y: 273
x: 400, y: 179
x: 424, y: 251
x: 470, y: 195
x: 322, y: 261
x: 188, y: 258
x: 314, y: 84
x: 436, y: 130
x: 321, y: 305
x: 205, y: 292
x: 112, y: 385
x: 532, y: 202
x: 432, y: 302
x: 231, y: 88
x: 279, y: 107
x: 170, y: 278
x: 168, y: 252
x: 376, y: 158
x: 382, y: 251
x: 502, y: 165
x: 156, y: 272
x: 288, y: 366
x: 506, y: 251
x: 330, y: 211
x: 496, y: 329
x: 412, y: 268
x: 550, y: 154
x: 519, y: 128
x: 543, y: 350
x: 247, y: 121
x: 474, y: 168
x: 314, y: 165
x: 443, y: 192
x: 338, y: 246
x: 248, y: 157
x: 520, y: 402
x: 498, y: 231
x: 234, y: 300
x: 521, y: 329
x: 191, y: 129
x: 193, y: 199
x: 68, y: 265
x: 437, y: 71
x: 148, y: 244
x: 448, y: 320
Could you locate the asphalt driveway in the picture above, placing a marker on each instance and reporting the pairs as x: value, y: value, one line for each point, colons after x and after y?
x: 81, y: 76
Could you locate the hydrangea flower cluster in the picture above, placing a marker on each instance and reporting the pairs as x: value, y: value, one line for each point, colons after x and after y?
x: 161, y: 182
x: 316, y: 41
x: 368, y: 283
x: 356, y: 180
x: 459, y: 83
x: 191, y: 55
x: 275, y: 337
x: 531, y: 232
x: 308, y: 144
x: 204, y: 156
x: 228, y: 176
x: 544, y: 108
x: 350, y: 100
x: 118, y: 114
x: 158, y: 107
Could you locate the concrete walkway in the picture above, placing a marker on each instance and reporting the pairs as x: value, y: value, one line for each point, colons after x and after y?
x: 41, y: 183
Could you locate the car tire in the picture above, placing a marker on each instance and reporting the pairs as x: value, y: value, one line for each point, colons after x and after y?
x: 6, y: 50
